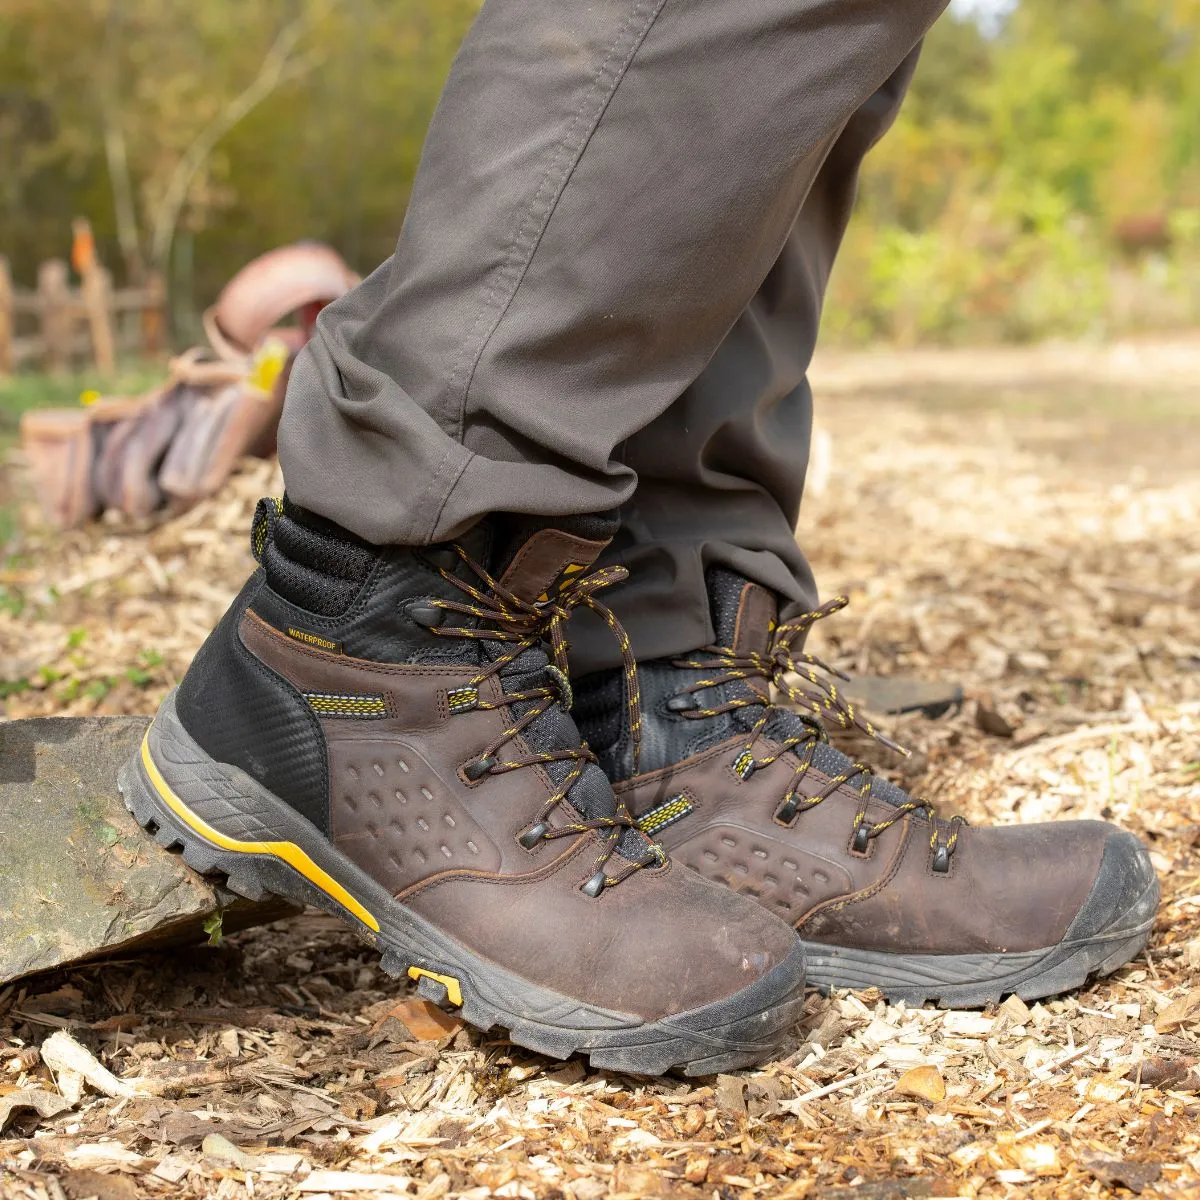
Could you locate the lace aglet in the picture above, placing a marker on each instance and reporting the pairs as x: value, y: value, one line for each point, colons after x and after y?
x: 884, y: 740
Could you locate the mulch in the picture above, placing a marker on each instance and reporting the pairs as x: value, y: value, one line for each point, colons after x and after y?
x: 975, y: 548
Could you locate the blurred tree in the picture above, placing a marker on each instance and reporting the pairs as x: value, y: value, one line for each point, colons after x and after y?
x: 244, y: 125
x: 995, y: 207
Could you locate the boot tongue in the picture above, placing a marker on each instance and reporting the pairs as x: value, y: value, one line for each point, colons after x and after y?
x: 744, y: 614
x: 533, y: 559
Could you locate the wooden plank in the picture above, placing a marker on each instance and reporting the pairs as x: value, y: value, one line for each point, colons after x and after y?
x: 95, y: 293
x: 55, y: 294
x: 25, y: 348
x: 131, y: 299
x: 8, y: 360
x: 154, y: 316
x: 26, y: 302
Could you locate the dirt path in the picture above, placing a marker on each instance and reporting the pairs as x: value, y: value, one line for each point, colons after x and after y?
x: 1024, y: 527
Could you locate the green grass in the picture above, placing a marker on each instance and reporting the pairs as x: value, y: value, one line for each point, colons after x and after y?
x: 28, y: 390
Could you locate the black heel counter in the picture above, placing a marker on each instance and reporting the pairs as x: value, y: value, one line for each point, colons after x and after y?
x: 242, y: 713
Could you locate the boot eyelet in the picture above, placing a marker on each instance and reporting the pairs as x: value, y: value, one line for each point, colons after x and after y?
x: 744, y: 765
x: 682, y: 703
x: 562, y: 685
x: 861, y: 842
x: 595, y: 885
x: 531, y: 837
x: 786, y: 813
x: 941, y: 860
x: 475, y: 771
x: 421, y: 612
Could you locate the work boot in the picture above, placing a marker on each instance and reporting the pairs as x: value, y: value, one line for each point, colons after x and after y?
x: 882, y: 890
x: 386, y: 734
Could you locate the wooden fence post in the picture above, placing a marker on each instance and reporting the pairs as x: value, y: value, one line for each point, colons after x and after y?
x: 96, y: 293
x: 154, y: 316
x: 54, y: 296
x: 8, y: 357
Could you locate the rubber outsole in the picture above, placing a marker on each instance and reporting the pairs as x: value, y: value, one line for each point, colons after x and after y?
x: 224, y: 823
x: 1112, y: 927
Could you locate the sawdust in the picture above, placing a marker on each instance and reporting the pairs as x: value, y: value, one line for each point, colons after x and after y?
x: 977, y: 546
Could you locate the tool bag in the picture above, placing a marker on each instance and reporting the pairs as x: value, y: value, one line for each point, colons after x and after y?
x: 178, y: 444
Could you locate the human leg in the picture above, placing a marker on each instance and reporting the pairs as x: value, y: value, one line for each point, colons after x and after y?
x: 384, y: 730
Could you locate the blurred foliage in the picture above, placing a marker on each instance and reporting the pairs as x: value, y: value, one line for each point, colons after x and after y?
x: 91, y: 90
x: 1043, y: 178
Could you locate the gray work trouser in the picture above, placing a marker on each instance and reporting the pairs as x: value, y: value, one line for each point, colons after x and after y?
x: 607, y: 290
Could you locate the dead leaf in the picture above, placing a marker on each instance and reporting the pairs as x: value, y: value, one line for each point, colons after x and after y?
x: 1136, y: 1176
x: 426, y: 1022
x: 84, y: 1185
x: 730, y: 1096
x: 926, y: 1083
x: 220, y: 1151
x: 1180, y: 1012
x: 63, y: 1001
x: 989, y: 720
x: 1175, y: 1073
x: 45, y: 1104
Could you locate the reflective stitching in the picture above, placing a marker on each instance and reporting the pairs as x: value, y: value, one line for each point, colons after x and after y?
x: 658, y: 818
x: 337, y: 704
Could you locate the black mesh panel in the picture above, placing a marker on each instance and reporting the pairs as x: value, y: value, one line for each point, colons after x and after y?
x: 314, y: 564
x: 242, y: 713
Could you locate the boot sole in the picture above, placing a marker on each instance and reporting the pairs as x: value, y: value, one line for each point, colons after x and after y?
x: 224, y: 823
x: 1112, y: 927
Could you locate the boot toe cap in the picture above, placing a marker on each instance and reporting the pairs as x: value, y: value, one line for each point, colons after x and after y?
x: 1125, y: 893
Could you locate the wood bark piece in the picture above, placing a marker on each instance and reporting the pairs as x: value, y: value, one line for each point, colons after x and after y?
x: 78, y: 877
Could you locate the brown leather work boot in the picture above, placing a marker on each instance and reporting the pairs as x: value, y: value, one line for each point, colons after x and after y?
x: 882, y: 891
x: 386, y: 734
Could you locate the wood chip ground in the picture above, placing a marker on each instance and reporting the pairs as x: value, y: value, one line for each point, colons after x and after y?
x: 1035, y: 540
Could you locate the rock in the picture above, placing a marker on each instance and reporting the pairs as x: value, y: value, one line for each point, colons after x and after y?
x: 896, y: 694
x: 78, y: 878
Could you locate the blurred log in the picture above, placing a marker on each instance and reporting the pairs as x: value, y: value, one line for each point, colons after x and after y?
x: 78, y: 877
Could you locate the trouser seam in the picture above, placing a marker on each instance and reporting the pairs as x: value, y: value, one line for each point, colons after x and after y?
x: 532, y: 223
x: 445, y: 463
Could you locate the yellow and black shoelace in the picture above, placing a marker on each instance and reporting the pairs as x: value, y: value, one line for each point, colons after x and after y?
x: 818, y: 700
x: 503, y: 616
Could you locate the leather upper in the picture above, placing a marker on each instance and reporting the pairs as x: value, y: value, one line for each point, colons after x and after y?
x: 400, y: 806
x: 1008, y: 888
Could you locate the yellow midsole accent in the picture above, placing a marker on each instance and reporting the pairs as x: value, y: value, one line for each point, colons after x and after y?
x: 288, y: 851
x: 452, y: 986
